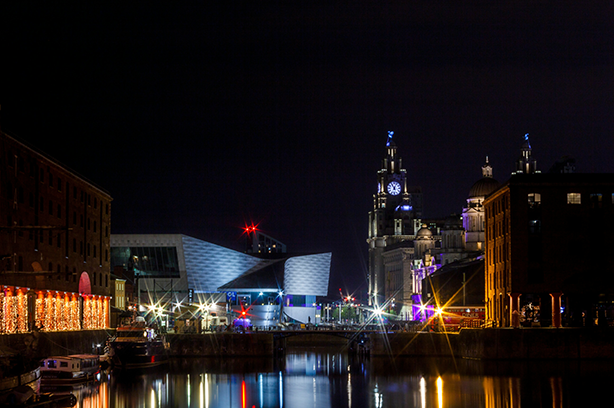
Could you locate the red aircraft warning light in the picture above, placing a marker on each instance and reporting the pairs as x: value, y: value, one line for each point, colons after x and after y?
x: 250, y: 229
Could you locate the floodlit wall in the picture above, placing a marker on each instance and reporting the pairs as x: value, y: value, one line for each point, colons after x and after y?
x: 307, y: 275
x: 210, y: 266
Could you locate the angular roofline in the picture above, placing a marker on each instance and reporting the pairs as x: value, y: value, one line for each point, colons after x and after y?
x: 55, y: 161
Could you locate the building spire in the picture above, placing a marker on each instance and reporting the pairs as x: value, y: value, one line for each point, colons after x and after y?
x: 526, y: 163
x: 390, y: 133
x: 392, y: 163
x: 487, y: 169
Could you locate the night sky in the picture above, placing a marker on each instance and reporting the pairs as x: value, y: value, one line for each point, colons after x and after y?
x: 199, y: 119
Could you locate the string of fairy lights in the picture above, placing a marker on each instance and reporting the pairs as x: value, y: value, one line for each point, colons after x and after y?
x: 53, y: 310
x: 95, y: 312
x: 14, y: 309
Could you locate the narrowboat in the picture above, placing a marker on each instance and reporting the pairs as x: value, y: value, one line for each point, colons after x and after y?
x: 69, y: 369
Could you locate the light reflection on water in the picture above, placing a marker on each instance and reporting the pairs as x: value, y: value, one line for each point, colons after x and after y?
x: 317, y: 378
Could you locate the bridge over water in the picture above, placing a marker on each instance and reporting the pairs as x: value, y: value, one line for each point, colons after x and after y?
x: 353, y: 340
x: 346, y: 334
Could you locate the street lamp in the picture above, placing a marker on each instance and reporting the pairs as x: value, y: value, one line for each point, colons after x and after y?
x: 204, y: 308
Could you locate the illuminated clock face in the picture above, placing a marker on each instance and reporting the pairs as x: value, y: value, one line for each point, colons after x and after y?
x: 394, y: 188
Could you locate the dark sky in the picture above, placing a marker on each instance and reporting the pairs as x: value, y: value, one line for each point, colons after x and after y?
x: 198, y: 119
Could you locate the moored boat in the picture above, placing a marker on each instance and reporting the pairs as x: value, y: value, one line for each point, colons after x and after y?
x: 69, y: 369
x: 138, y: 346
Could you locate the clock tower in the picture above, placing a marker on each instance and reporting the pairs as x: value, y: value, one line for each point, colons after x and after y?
x: 396, y: 210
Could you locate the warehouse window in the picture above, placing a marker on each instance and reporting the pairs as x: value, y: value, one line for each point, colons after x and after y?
x: 534, y: 199
x: 574, y: 198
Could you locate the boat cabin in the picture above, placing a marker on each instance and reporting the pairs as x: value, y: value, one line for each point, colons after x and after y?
x: 73, y: 367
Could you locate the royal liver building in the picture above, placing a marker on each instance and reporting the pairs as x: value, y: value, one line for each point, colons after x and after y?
x: 405, y: 248
x: 394, y: 222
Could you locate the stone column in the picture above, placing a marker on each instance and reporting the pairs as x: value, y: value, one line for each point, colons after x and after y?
x: 556, y: 309
x: 515, y: 309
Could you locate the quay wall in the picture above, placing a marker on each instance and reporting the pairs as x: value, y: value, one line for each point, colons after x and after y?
x: 246, y: 344
x: 221, y: 344
x: 499, y: 344
x: 38, y: 345
x: 317, y: 339
x: 485, y: 344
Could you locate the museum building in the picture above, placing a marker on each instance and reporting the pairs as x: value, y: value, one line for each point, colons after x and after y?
x: 175, y: 271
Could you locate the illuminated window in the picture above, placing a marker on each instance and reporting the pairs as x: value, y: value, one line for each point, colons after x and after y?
x: 534, y: 199
x: 574, y: 198
x: 596, y: 200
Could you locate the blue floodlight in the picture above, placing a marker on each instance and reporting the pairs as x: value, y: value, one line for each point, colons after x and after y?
x: 390, y: 133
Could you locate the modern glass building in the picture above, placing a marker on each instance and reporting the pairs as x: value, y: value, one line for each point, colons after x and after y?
x: 171, y: 271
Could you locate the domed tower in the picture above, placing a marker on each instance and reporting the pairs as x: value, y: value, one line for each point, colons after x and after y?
x: 452, y: 239
x: 473, y: 214
x: 424, y: 242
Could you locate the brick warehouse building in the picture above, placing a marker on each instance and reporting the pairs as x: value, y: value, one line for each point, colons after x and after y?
x: 54, y: 243
x: 547, y: 242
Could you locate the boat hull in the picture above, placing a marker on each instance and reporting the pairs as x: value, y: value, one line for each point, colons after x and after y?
x: 129, y: 355
x: 49, y: 378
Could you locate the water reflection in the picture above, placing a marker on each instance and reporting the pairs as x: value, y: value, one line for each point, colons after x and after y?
x: 90, y: 395
x: 313, y: 378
